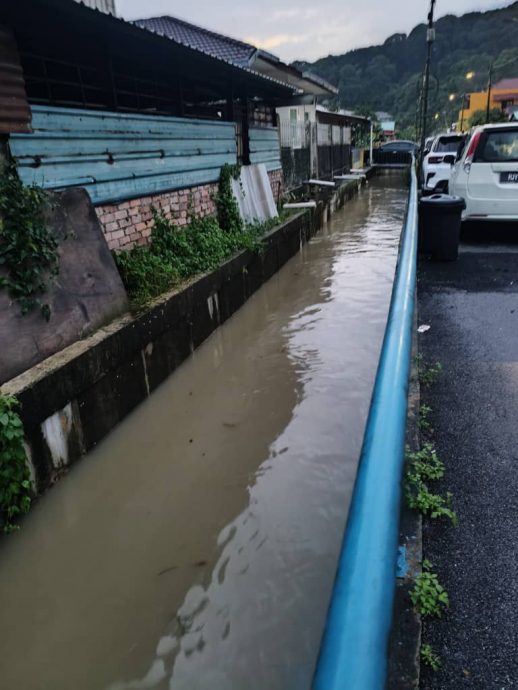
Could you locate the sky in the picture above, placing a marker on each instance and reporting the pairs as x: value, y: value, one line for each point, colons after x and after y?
x: 304, y: 29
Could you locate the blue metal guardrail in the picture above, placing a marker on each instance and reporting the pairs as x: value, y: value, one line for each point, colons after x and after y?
x: 353, y: 654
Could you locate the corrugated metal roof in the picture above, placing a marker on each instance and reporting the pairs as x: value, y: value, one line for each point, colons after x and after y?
x: 107, y: 6
x: 238, y: 53
x: 15, y: 114
x: 209, y: 42
x: 511, y: 84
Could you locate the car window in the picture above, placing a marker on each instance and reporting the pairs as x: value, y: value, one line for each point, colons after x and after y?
x: 398, y: 145
x: 498, y: 146
x: 448, y: 144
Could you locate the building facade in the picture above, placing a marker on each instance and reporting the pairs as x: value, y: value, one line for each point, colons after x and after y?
x: 504, y: 96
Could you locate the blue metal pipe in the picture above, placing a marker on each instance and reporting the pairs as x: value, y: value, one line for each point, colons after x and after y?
x: 353, y: 654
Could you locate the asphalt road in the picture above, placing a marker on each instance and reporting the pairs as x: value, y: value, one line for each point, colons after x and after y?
x: 472, y: 308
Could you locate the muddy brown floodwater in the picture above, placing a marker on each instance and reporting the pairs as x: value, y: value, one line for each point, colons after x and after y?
x: 195, y: 548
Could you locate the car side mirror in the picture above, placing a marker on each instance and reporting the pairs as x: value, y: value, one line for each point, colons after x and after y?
x: 449, y: 159
x: 426, y: 152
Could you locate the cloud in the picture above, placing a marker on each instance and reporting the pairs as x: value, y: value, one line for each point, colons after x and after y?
x: 300, y: 28
x: 275, y: 41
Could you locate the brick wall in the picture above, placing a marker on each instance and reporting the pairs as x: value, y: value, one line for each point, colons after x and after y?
x: 129, y: 222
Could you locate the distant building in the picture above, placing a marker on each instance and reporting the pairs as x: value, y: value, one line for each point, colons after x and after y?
x: 107, y: 6
x: 328, y: 137
x: 387, y: 124
x: 504, y: 96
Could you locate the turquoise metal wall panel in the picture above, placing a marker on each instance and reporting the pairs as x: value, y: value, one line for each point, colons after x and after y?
x: 265, y: 147
x: 119, y: 156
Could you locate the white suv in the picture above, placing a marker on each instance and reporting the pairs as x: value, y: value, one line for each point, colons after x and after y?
x: 486, y: 175
x: 438, y: 162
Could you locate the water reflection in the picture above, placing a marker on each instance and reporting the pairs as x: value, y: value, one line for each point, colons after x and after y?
x: 271, y: 582
x: 196, y: 548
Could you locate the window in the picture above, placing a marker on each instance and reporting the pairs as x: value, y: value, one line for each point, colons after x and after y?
x: 293, y: 115
x: 498, y: 146
x: 448, y: 144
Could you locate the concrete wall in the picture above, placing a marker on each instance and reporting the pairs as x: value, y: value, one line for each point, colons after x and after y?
x: 73, y: 399
x: 86, y: 294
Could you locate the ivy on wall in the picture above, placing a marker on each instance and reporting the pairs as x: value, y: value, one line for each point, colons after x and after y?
x: 28, y: 251
x: 229, y: 218
x: 176, y: 254
x: 15, y: 483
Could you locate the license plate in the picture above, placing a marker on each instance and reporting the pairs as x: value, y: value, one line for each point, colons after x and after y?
x: 507, y: 177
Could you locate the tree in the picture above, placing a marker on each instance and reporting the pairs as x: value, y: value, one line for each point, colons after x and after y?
x: 479, y: 117
x: 389, y: 76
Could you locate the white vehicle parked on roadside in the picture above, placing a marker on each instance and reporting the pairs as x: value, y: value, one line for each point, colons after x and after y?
x: 486, y: 175
x: 438, y: 162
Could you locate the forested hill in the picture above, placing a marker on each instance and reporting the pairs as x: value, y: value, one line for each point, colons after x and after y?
x: 385, y: 77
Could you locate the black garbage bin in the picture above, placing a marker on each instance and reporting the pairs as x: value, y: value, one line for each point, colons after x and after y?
x: 439, y: 226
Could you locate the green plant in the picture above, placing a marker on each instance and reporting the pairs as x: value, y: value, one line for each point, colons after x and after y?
x: 430, y: 658
x: 15, y: 484
x: 28, y: 251
x: 145, y: 274
x: 429, y: 375
x: 428, y: 595
x: 495, y: 115
x: 229, y: 218
x: 419, y: 497
x: 424, y: 464
x: 424, y: 421
x: 176, y: 254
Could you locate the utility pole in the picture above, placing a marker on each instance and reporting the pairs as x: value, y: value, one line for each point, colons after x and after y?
x: 489, y: 84
x: 462, y: 112
x: 430, y: 38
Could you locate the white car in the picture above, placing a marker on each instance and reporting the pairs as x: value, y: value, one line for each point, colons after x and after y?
x: 438, y: 162
x: 486, y: 175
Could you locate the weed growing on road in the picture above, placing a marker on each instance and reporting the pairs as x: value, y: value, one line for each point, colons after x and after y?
x: 424, y: 464
x: 429, y: 375
x: 15, y: 484
x: 428, y: 595
x: 424, y: 418
x: 430, y: 658
x: 435, y: 506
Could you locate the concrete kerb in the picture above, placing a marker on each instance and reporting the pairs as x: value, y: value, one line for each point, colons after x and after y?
x: 405, y: 638
x: 73, y: 399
